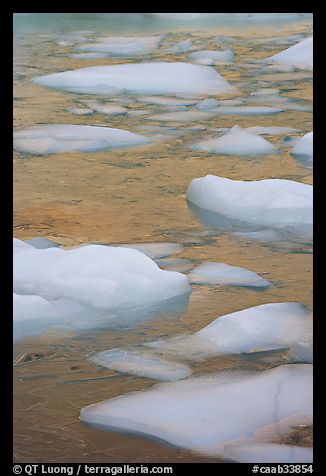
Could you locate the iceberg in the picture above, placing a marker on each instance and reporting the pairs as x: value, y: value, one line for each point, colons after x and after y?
x: 123, y: 46
x: 236, y: 142
x: 139, y: 78
x: 204, y: 414
x: 56, y: 138
x: 213, y: 57
x: 270, y: 202
x: 268, y: 453
x: 256, y: 329
x: 300, y: 55
x: 92, y: 278
x: 141, y: 364
x: 304, y: 146
x: 221, y: 273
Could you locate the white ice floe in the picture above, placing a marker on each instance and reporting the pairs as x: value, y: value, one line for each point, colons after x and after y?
x: 88, y: 55
x: 215, y: 57
x: 236, y: 142
x: 142, y: 364
x: 183, y: 116
x: 271, y: 130
x: 124, y: 46
x: 304, y: 146
x: 166, y: 101
x: 207, y: 104
x: 106, y: 108
x: 139, y: 78
x: 55, y: 138
x: 268, y: 453
x: 95, y: 276
x: 19, y: 245
x: 80, y: 111
x: 300, y: 55
x: 155, y: 250
x: 204, y: 414
x: 274, y: 202
x: 221, y: 273
x: 260, y: 328
x: 179, y: 48
x: 41, y: 243
x: 248, y: 110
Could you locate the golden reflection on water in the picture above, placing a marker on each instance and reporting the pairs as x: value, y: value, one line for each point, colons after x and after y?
x: 136, y: 195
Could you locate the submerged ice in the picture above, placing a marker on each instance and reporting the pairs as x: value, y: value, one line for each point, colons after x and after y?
x: 221, y: 273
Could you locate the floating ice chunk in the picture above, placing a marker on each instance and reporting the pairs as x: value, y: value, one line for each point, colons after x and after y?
x: 256, y: 329
x: 216, y: 57
x: 179, y: 48
x: 236, y: 142
x: 142, y: 364
x: 300, y: 55
x: 80, y: 111
x: 304, y: 146
x: 27, y: 307
x: 274, y: 202
x: 124, y: 46
x: 183, y: 116
x: 156, y: 250
x: 204, y: 414
x: 265, y: 92
x: 248, y: 110
x: 19, y: 245
x: 271, y: 130
x: 207, y: 104
x: 221, y: 273
x: 261, y: 235
x: 42, y: 243
x: 88, y: 55
x: 106, y: 108
x: 166, y: 101
x: 302, y: 352
x: 281, y: 68
x: 54, y: 138
x: 173, y: 264
x: 103, y: 277
x: 268, y: 453
x: 139, y: 78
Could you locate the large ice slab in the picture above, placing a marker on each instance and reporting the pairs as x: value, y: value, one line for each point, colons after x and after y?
x: 221, y: 273
x: 260, y: 328
x: 183, y: 116
x: 248, y: 110
x: 236, y: 142
x: 206, y: 413
x: 94, y: 276
x: 123, y: 46
x: 300, y: 55
x: 139, y: 78
x: 268, y: 453
x: 274, y: 202
x: 106, y: 108
x: 55, y: 138
x: 142, y: 364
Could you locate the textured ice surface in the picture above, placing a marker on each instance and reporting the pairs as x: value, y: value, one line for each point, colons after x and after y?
x: 248, y: 110
x: 141, y: 363
x: 236, y: 142
x: 100, y: 277
x: 80, y: 111
x: 139, y: 78
x: 204, y: 414
x: 207, y: 104
x: 274, y: 202
x: 29, y: 306
x: 300, y: 55
x: 156, y: 250
x: 216, y: 57
x: 304, y: 146
x: 221, y: 273
x: 268, y: 453
x: 106, y: 108
x: 124, y: 46
x: 54, y: 138
x: 256, y: 329
x: 183, y: 116
x: 271, y: 130
x: 179, y: 48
